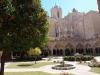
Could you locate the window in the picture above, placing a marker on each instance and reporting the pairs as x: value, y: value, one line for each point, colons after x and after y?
x: 58, y: 14
x: 73, y: 18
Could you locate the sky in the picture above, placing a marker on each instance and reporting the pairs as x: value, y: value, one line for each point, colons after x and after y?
x: 68, y: 5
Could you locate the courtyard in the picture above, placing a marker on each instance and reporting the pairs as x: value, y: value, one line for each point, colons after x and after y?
x: 12, y: 68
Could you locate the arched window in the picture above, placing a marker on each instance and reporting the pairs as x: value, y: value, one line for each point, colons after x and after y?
x: 58, y: 14
x: 73, y: 18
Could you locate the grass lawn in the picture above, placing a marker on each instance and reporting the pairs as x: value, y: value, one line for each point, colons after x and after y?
x: 30, y: 73
x: 29, y: 64
x: 95, y: 69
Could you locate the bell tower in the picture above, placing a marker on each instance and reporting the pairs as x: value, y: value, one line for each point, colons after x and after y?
x: 56, y: 12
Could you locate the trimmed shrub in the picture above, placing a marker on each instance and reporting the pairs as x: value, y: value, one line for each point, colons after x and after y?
x: 84, y: 58
x: 65, y: 58
x: 72, y: 58
x: 69, y: 58
x: 89, y: 58
x: 29, y: 58
x: 78, y: 58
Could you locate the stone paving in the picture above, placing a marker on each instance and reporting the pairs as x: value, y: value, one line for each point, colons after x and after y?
x: 79, y: 70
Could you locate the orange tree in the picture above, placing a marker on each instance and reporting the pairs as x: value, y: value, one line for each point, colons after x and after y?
x: 23, y: 25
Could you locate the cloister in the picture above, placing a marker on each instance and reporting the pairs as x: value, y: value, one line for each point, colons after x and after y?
x: 70, y: 47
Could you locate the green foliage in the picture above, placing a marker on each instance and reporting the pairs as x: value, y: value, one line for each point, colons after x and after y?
x: 72, y: 58
x: 65, y: 58
x: 68, y: 51
x: 28, y: 58
x: 23, y: 25
x: 34, y: 52
x: 69, y: 58
x: 83, y: 58
x: 45, y: 50
x: 87, y: 58
x: 78, y: 58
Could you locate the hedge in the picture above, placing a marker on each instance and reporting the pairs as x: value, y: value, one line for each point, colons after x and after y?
x: 83, y: 58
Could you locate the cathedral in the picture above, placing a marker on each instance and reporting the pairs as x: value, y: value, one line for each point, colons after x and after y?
x: 77, y: 32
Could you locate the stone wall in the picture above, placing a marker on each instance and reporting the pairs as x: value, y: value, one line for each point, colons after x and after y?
x: 78, y: 30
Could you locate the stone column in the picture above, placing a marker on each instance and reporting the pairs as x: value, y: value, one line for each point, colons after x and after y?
x: 51, y: 49
x: 93, y: 47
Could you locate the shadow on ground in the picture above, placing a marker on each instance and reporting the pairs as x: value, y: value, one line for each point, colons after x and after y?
x: 25, y: 65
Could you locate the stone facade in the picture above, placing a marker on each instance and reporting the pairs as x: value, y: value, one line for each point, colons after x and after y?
x: 78, y: 32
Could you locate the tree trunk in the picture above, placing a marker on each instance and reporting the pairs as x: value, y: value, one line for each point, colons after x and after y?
x: 35, y: 60
x: 2, y: 62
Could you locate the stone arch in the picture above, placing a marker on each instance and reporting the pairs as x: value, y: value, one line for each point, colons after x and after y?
x: 57, y: 49
x: 87, y: 45
x: 69, y: 46
x: 79, y: 45
x: 88, y: 48
x: 57, y: 46
x: 79, y: 48
x: 97, y: 44
x: 97, y: 47
x: 69, y: 49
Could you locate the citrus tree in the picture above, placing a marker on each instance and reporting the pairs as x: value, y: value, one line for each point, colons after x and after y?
x: 23, y: 25
x: 35, y: 52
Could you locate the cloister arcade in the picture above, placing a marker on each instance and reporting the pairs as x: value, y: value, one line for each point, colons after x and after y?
x: 60, y: 48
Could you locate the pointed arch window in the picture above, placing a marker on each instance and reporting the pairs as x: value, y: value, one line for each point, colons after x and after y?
x: 58, y: 14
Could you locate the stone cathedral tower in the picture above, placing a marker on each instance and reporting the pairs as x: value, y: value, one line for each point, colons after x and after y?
x: 56, y: 12
x: 78, y: 31
x: 60, y: 28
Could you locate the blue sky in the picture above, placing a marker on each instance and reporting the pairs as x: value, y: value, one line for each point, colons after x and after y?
x: 68, y: 5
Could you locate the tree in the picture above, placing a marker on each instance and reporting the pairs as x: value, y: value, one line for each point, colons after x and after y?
x: 5, y: 12
x: 67, y: 51
x: 35, y: 52
x: 23, y: 25
x: 44, y: 49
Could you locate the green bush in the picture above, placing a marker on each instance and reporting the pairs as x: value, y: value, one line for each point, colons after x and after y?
x: 87, y: 58
x: 69, y: 58
x: 83, y: 58
x: 29, y: 58
x: 68, y: 51
x: 78, y: 58
x: 72, y: 58
x: 65, y: 58
x: 39, y: 58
